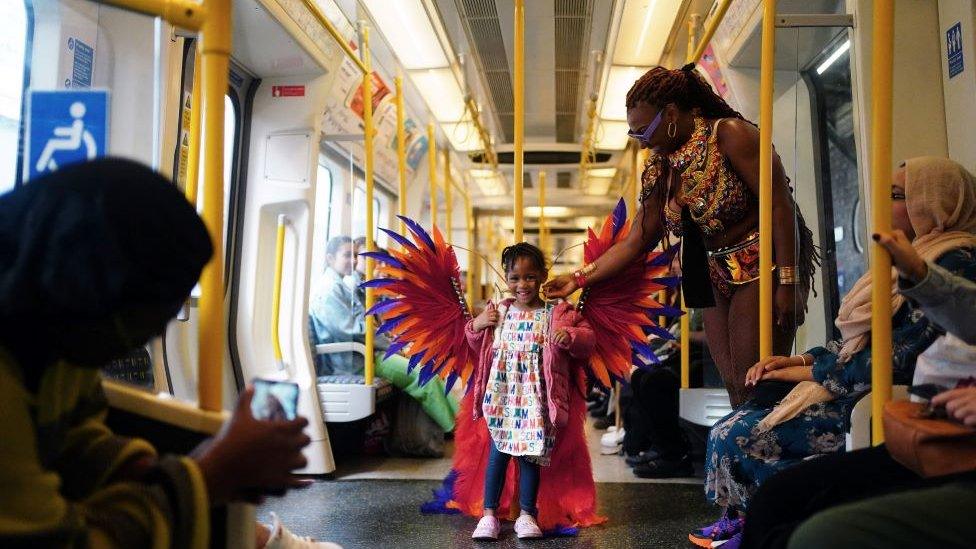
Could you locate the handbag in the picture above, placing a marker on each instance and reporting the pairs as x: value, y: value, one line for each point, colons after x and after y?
x: 930, y: 447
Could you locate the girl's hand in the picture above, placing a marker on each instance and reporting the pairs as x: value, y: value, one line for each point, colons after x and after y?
x: 561, y: 338
x: 910, y: 265
x: 789, y: 306
x: 960, y: 404
x: 561, y: 286
x: 488, y: 318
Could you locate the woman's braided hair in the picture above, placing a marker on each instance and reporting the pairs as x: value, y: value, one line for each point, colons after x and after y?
x: 523, y: 249
x: 684, y: 87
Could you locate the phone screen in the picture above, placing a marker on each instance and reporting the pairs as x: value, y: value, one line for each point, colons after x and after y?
x: 274, y: 400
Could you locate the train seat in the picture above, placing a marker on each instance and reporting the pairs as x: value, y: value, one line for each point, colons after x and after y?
x: 347, y: 398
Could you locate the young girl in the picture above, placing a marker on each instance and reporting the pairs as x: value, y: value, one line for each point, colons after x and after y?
x: 524, y: 380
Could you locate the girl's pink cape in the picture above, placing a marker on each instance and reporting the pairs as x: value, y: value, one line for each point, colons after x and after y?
x: 567, y: 493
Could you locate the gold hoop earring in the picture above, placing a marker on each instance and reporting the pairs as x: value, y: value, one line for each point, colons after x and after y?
x: 672, y: 130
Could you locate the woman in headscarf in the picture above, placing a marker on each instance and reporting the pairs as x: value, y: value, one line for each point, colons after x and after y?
x: 94, y: 260
x: 934, y: 205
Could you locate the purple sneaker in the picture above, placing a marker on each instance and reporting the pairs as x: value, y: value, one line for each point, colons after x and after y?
x: 722, y: 530
x: 732, y: 543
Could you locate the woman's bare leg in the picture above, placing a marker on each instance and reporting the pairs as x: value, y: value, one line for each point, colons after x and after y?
x: 744, y: 336
x: 717, y: 335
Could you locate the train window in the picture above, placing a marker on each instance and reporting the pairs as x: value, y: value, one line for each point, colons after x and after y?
x: 380, y: 212
x: 843, y: 231
x: 230, y: 129
x: 13, y: 48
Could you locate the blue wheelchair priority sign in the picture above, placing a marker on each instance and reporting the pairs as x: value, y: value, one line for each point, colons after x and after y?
x: 64, y: 127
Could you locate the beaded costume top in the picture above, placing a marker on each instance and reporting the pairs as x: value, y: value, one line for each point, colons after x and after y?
x: 715, y: 195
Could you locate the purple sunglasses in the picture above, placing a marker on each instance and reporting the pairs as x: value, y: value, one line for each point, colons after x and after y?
x: 644, y: 137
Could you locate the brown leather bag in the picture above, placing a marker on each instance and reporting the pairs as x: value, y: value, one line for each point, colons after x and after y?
x: 930, y: 447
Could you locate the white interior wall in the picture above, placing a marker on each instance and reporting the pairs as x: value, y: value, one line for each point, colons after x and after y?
x: 918, y: 123
x: 959, y: 92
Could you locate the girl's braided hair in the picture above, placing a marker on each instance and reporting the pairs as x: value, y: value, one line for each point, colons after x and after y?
x: 684, y: 87
x: 523, y: 249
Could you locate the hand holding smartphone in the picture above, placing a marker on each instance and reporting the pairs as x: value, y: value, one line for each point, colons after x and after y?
x: 274, y: 400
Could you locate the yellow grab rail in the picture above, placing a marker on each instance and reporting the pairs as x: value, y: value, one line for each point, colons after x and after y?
x: 448, y: 199
x: 713, y: 24
x: 401, y: 152
x: 519, y: 97
x: 370, y: 221
x: 767, y: 66
x: 186, y: 14
x: 336, y: 35
x: 882, y: 41
x: 276, y: 299
x: 432, y: 172
x: 215, y: 40
x: 472, y: 259
x: 213, y: 20
x: 192, y: 183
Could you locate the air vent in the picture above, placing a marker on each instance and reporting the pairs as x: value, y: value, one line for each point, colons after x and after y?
x: 572, y: 31
x: 480, y: 18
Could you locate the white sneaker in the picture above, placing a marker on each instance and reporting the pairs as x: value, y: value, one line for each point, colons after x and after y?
x: 612, y: 438
x: 282, y: 538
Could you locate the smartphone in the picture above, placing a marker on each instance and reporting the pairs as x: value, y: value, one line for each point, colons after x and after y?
x: 274, y: 400
x: 927, y: 390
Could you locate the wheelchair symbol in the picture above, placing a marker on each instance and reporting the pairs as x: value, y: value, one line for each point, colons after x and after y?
x: 68, y: 138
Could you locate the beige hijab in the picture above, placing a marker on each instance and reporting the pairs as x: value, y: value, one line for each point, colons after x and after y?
x: 941, y: 199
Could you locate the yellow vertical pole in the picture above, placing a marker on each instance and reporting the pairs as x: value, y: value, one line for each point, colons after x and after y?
x: 543, y: 222
x: 519, y: 96
x: 276, y: 299
x: 882, y: 41
x: 215, y: 65
x: 192, y: 183
x: 370, y: 221
x: 766, y: 179
x: 401, y: 152
x: 432, y: 172
x: 448, y: 198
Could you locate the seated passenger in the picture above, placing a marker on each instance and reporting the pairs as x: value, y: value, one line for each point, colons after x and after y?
x: 337, y: 315
x: 918, y: 512
x: 94, y: 260
x: 934, y: 203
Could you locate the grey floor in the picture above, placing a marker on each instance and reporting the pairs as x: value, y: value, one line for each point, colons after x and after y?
x: 385, y: 513
x: 375, y: 503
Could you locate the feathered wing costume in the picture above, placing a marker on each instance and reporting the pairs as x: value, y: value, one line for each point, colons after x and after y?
x: 425, y: 315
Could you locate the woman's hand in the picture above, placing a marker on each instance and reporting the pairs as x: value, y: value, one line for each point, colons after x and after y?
x: 910, y: 265
x: 789, y: 306
x: 488, y: 318
x: 250, y: 458
x: 959, y: 404
x: 561, y: 338
x: 770, y: 368
x: 561, y: 286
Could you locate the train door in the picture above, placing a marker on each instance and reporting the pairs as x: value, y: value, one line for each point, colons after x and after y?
x: 181, y: 337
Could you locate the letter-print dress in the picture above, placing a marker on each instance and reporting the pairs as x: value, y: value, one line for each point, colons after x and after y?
x: 515, y: 399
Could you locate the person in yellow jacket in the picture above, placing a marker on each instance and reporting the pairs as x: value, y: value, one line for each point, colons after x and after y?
x: 94, y: 260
